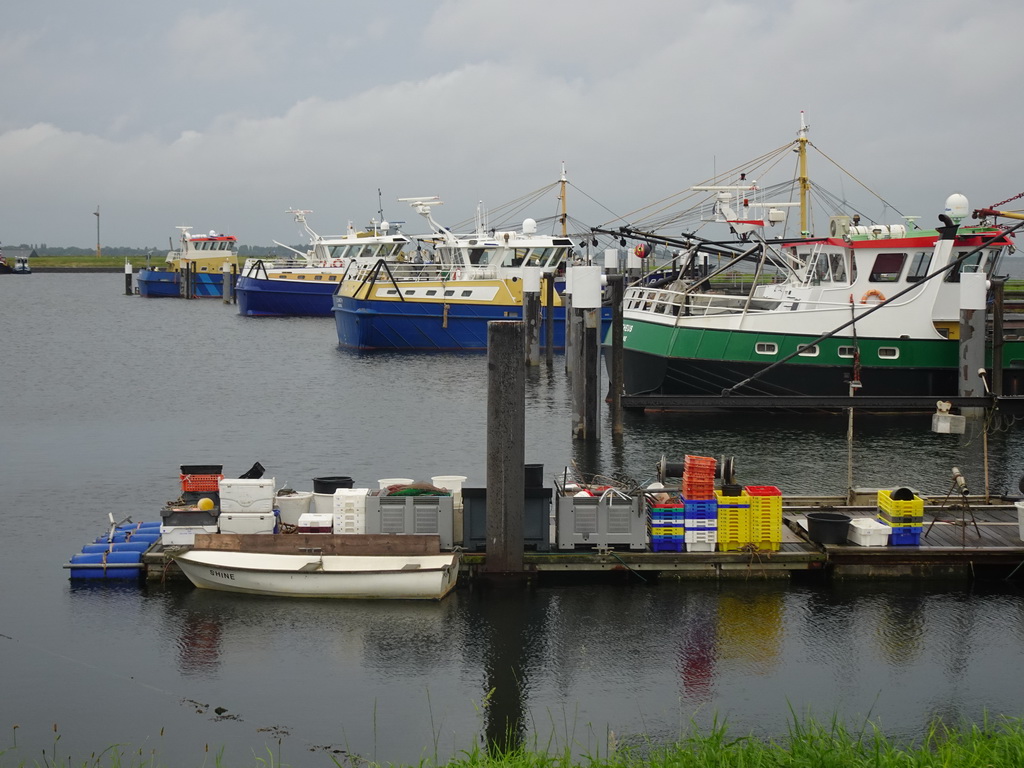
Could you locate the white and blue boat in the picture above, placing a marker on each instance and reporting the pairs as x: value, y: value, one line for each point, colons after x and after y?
x: 303, y: 284
x: 195, y: 269
x: 445, y: 297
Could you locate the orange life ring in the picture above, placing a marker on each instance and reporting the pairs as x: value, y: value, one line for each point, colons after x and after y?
x: 337, y: 263
x: 457, y: 274
x: 877, y: 294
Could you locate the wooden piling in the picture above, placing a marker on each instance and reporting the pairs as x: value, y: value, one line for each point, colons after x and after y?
x: 127, y: 278
x: 616, y: 283
x: 531, y: 314
x: 549, y: 319
x: 506, y: 448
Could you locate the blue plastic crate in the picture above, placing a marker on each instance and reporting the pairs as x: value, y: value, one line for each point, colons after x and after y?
x: 905, y: 536
x: 667, y: 543
x: 700, y: 507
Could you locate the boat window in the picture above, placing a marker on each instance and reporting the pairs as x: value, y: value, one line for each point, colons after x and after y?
x: 479, y: 256
x: 449, y: 292
x: 887, y: 268
x: 889, y: 353
x: 847, y: 351
x: 838, y: 266
x: 467, y: 293
x: 432, y: 292
x: 919, y: 264
x: 356, y: 250
x: 807, y: 350
x: 970, y: 264
x: 318, y: 277
x: 766, y: 348
x: 515, y: 257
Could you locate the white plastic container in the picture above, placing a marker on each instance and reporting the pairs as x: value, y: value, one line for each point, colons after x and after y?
x: 247, y: 522
x: 323, y: 504
x: 183, y: 535
x: 314, y: 522
x: 866, y: 532
x: 384, y: 482
x: 1020, y: 519
x: 350, y: 510
x: 247, y: 495
x: 293, y: 505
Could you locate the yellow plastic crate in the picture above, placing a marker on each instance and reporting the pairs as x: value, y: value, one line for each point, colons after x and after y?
x: 667, y: 531
x: 896, y: 508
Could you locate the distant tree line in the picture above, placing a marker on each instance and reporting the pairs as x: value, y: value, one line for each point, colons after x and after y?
x: 43, y: 249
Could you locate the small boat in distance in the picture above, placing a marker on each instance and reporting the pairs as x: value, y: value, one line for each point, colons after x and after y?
x: 303, y: 285
x: 193, y: 270
x: 19, y: 267
x: 353, y: 566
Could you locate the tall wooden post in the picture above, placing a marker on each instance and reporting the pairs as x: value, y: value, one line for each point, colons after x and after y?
x: 506, y: 447
x: 972, y: 338
x: 127, y: 278
x: 617, y: 285
x: 998, y: 294
x: 531, y: 314
x: 549, y: 319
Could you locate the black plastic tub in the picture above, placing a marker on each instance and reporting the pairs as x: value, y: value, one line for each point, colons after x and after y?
x: 330, y: 484
x: 828, y: 527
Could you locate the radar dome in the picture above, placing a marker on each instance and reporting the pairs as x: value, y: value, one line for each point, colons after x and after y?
x: 529, y: 227
x: 957, y: 207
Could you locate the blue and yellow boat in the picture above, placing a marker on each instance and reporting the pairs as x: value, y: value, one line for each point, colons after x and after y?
x: 451, y: 288
x: 193, y: 270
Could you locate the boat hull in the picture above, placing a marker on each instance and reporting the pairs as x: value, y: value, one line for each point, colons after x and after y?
x: 153, y: 283
x: 407, y: 325
x: 686, y: 361
x: 378, y: 577
x: 264, y: 297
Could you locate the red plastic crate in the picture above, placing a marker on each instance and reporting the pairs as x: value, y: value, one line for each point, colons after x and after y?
x: 762, y: 490
x: 200, y: 482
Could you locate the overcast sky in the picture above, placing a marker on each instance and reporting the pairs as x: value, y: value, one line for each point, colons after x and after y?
x: 224, y: 115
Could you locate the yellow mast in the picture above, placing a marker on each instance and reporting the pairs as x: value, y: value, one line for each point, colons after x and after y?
x: 805, y: 184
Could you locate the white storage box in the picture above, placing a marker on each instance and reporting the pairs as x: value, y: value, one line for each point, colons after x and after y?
x: 243, y: 495
x: 866, y: 532
x: 701, y: 540
x: 183, y: 535
x: 316, y: 522
x: 350, y: 510
x: 247, y: 522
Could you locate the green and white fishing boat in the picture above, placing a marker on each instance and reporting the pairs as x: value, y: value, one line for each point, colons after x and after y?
x: 876, y: 307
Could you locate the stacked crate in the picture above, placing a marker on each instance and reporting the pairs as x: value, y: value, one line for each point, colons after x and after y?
x: 735, y: 530
x: 349, y: 510
x: 765, y: 517
x: 665, y: 526
x: 904, y: 518
x: 700, y: 507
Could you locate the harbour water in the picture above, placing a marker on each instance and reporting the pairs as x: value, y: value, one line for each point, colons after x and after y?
x: 105, y: 395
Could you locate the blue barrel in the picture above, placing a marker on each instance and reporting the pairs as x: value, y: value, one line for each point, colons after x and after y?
x: 103, y: 565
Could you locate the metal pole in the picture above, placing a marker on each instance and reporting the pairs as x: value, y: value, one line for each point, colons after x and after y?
x: 549, y: 320
x: 127, y: 278
x: 97, y: 215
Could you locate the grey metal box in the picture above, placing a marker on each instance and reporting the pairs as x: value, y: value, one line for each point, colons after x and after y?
x: 410, y: 515
x: 595, y: 521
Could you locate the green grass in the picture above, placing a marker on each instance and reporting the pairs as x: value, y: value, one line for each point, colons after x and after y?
x: 995, y: 742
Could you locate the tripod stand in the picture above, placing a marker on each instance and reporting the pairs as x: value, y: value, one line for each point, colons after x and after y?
x: 959, y: 484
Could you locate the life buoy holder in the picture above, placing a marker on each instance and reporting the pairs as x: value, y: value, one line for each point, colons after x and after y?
x: 877, y: 294
x: 457, y: 274
x: 336, y: 263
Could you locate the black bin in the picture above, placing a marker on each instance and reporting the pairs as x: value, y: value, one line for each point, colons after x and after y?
x: 828, y: 527
x: 330, y: 484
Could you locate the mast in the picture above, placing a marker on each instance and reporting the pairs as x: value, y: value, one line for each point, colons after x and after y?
x: 561, y: 195
x: 805, y: 184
